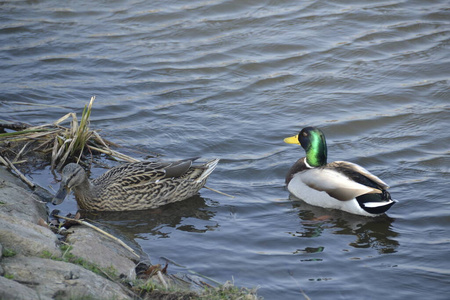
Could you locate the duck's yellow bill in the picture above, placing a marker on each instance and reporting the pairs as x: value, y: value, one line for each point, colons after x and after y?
x: 292, y: 140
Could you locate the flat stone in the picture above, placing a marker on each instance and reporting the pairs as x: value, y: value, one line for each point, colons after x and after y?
x: 10, y: 289
x: 6, y: 175
x: 60, y: 280
x: 18, y: 201
x: 25, y: 237
x: 101, y: 251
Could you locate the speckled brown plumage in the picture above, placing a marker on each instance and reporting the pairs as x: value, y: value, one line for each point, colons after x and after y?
x: 135, y: 186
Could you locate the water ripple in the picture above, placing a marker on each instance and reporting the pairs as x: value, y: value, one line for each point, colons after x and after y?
x: 231, y: 79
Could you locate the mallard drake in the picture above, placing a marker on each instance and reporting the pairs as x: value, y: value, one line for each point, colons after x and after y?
x: 340, y: 184
x: 134, y: 186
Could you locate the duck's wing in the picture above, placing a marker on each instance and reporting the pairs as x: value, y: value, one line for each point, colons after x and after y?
x: 342, y: 180
x: 144, y: 172
x: 359, y: 174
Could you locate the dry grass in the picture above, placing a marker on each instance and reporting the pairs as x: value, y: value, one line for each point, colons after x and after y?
x: 56, y: 143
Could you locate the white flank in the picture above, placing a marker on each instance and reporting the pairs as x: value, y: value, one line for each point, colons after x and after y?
x: 322, y: 199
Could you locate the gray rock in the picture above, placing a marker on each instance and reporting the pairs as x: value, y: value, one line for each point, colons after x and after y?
x: 102, y: 251
x: 6, y: 175
x: 57, y: 279
x: 26, y: 237
x: 34, y: 277
x: 12, y: 290
x: 18, y: 201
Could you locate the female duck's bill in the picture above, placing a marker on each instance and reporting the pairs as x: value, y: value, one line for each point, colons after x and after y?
x: 72, y: 175
x: 339, y: 185
x: 60, y: 195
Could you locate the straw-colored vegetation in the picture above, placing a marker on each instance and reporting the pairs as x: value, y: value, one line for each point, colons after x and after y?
x: 54, y: 142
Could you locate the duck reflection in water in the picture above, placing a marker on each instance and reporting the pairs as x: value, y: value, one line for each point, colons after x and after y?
x: 191, y: 215
x: 375, y: 233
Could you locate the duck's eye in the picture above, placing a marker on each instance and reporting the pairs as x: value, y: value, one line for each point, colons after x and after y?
x: 305, y: 134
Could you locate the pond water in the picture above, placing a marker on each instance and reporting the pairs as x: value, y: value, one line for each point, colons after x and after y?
x: 230, y: 79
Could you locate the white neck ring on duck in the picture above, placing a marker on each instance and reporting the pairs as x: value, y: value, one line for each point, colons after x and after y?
x: 308, y: 165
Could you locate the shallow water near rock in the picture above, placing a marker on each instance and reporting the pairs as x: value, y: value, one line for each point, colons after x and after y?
x: 231, y: 79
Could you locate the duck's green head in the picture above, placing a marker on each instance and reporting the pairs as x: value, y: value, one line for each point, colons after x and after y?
x: 313, y: 141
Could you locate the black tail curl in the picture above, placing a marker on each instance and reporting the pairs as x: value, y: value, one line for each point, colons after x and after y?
x: 383, y: 197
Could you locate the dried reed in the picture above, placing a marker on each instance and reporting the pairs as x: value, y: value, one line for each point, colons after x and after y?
x: 61, y: 143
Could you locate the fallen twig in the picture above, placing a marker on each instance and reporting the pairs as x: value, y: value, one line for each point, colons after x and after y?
x: 20, y: 152
x: 114, y: 153
x: 218, y: 192
x: 7, y: 163
x: 82, y: 222
x: 161, y: 278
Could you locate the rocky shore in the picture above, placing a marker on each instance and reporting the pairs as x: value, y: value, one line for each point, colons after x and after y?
x: 32, y: 263
x: 37, y: 263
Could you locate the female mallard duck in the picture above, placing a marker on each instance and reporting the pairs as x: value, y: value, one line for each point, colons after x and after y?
x: 340, y: 184
x: 134, y: 186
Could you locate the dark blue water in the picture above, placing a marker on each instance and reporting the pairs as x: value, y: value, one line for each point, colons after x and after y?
x: 231, y: 79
